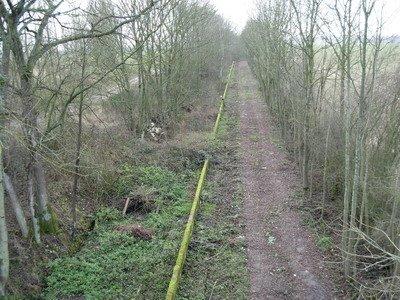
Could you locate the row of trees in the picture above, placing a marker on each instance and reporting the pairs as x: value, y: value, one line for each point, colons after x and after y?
x: 330, y: 78
x: 149, y: 54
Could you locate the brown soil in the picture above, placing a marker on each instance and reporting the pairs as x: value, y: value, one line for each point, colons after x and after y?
x: 283, y: 260
x: 136, y: 230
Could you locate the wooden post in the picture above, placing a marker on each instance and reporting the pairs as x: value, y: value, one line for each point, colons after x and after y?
x: 126, y: 206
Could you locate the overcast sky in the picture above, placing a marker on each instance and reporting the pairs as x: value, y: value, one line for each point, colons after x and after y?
x: 238, y: 11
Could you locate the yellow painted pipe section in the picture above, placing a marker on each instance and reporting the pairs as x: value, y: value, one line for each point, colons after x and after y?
x: 187, y: 235
x: 221, y: 107
x: 180, y: 260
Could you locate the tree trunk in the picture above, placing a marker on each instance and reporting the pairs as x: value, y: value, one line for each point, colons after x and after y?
x: 394, y: 235
x: 347, y: 189
x: 311, y: 180
x: 30, y: 115
x: 361, y: 121
x: 31, y: 196
x: 347, y: 133
x: 4, y: 255
x: 364, y: 216
x: 393, y: 228
x: 19, y: 214
x: 78, y: 148
x: 47, y: 221
x: 325, y: 176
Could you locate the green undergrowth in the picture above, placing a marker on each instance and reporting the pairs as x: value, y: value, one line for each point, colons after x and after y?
x: 320, y: 230
x: 216, y: 261
x: 216, y: 265
x: 111, y: 264
x: 118, y: 265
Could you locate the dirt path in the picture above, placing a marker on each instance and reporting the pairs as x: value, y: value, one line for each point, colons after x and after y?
x: 283, y: 261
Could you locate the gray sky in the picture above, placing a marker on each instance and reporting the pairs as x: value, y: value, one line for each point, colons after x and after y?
x: 238, y: 11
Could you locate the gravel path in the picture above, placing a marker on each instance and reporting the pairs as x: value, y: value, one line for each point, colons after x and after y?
x: 283, y: 260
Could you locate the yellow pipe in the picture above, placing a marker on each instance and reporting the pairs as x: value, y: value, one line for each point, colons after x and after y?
x: 216, y: 125
x: 221, y: 107
x: 187, y: 235
x: 176, y: 275
x: 227, y: 82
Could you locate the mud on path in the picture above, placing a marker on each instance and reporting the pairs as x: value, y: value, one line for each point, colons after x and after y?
x: 283, y: 260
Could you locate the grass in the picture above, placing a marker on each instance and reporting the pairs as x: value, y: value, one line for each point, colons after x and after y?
x: 254, y: 137
x: 216, y: 265
x: 216, y: 262
x: 325, y: 242
x: 115, y: 265
x: 321, y: 232
x: 119, y: 265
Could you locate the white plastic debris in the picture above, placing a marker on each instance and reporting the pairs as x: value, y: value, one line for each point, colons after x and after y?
x: 155, y: 132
